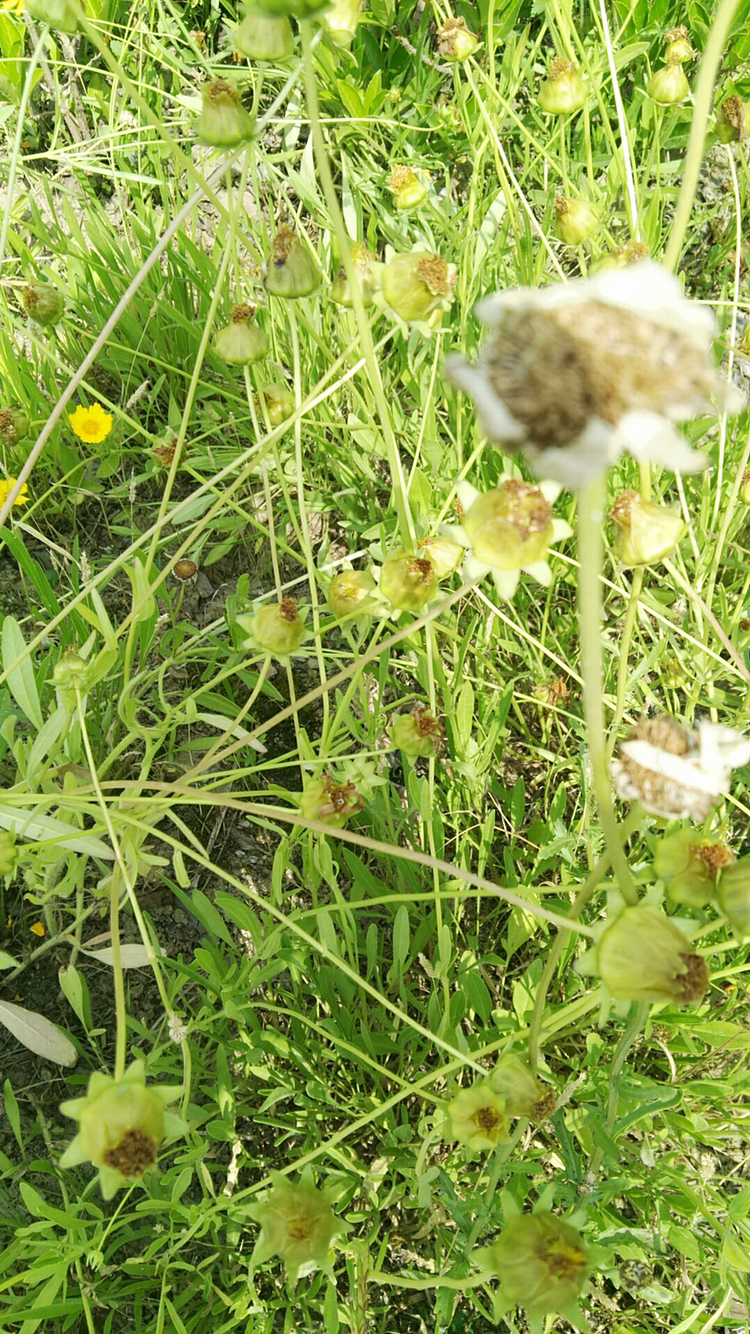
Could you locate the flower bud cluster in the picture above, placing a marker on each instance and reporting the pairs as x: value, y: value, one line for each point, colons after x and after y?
x: 479, y: 1116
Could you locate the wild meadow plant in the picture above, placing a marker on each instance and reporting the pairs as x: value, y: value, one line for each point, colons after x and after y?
x: 374, y: 692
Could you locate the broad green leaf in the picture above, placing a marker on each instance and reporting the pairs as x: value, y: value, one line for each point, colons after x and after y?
x: 19, y: 671
x: 45, y: 828
x: 40, y: 1035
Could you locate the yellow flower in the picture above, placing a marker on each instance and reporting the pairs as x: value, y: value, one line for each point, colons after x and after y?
x: 13, y: 7
x: 91, y: 424
x: 6, y: 486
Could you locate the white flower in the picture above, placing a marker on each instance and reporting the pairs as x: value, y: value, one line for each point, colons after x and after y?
x: 580, y: 372
x: 507, y: 530
x: 675, y: 771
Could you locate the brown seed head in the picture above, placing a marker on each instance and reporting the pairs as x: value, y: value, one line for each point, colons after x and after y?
x: 132, y: 1155
x: 420, y: 570
x: 693, y: 981
x: 184, y: 570
x: 427, y: 724
x: 486, y: 1118
x: 242, y: 313
x: 544, y: 1107
x: 623, y: 507
x: 526, y: 508
x: 733, y: 113
x: 714, y: 856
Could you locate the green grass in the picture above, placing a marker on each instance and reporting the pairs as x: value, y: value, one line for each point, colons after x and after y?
x: 335, y: 989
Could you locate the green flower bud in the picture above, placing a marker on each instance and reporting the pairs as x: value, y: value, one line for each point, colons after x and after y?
x: 14, y: 424
x: 70, y: 671
x: 241, y: 342
x: 668, y: 85
x: 509, y: 527
x: 340, y: 20
x: 368, y: 272
x: 291, y: 271
x: 8, y: 853
x: 43, y: 303
x: 57, y: 13
x: 418, y: 286
x: 331, y: 802
x: 631, y: 253
x: 445, y: 555
x: 732, y: 121
x: 279, y: 402
x: 455, y: 41
x: 408, y: 188
x: 734, y: 897
x: 297, y: 1225
x: 417, y: 733
x: 122, y: 1124
x: 262, y: 37
x: 478, y: 1117
x: 408, y: 582
x: 541, y: 1263
x: 648, y: 532
x: 223, y: 121
x: 690, y: 863
x: 562, y: 90
x: 277, y: 629
x: 350, y: 594
x: 513, y: 1080
x: 576, y: 220
x: 642, y: 956
x: 745, y: 487
x: 678, y: 45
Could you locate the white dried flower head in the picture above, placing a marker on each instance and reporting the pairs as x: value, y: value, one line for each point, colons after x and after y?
x: 678, y: 771
x: 580, y: 372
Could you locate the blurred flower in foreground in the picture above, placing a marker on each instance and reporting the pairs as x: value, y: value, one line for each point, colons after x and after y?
x: 507, y: 530
x: 640, y: 955
x: 633, y: 252
x: 57, y: 13
x: 478, y: 1117
x: 541, y: 1263
x: 577, y: 373
x: 456, y: 41
x: 6, y: 486
x: 690, y: 864
x: 223, y: 121
x: 562, y: 90
x: 647, y: 532
x: 297, y: 1224
x: 122, y: 1124
x: 92, y: 425
x: 677, y: 771
x: 15, y: 7
x: 290, y: 272
x: 445, y: 554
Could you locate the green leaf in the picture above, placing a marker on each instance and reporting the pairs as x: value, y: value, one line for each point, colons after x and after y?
x: 19, y: 671
x: 45, y: 828
x: 37, y: 1033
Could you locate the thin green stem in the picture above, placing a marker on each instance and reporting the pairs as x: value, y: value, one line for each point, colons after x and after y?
x: 704, y: 90
x: 28, y: 85
x: 629, y: 1036
x: 591, y: 516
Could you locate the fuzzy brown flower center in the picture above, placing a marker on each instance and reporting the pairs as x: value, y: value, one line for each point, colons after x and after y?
x: 7, y: 426
x: 487, y: 1119
x: 185, y: 569
x: 558, y: 67
x: 733, y: 113
x: 622, y: 508
x: 400, y: 177
x: 132, y: 1155
x: 242, y: 313
x: 435, y: 274
x: 288, y: 610
x: 714, y: 856
x: 562, y: 1260
x: 556, y: 369
x: 283, y: 243
x: 420, y: 570
x: 298, y: 1229
x: 427, y: 724
x: 525, y: 508
x: 544, y: 1107
x: 220, y: 90
x: 692, y: 983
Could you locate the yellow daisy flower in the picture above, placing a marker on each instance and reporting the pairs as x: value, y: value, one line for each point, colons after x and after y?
x: 13, y: 7
x: 91, y: 424
x: 6, y: 486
